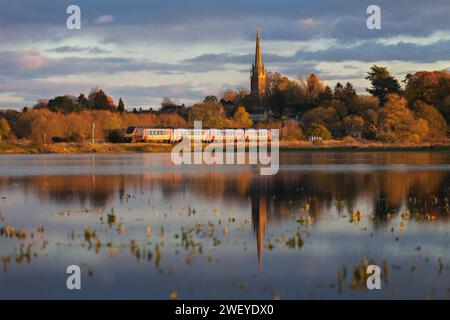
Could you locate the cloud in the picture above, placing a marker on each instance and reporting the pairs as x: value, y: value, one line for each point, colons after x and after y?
x: 76, y: 49
x: 10, y: 98
x: 104, y: 19
x: 370, y: 51
x: 32, y: 64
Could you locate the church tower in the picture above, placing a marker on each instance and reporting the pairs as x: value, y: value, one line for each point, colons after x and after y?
x: 258, y: 72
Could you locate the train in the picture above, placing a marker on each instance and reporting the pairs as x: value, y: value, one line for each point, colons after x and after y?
x: 172, y: 135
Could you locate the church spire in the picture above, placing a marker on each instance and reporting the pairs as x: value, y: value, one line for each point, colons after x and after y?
x: 258, y: 56
x: 258, y: 73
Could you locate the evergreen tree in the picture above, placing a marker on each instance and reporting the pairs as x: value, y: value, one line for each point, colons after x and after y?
x: 382, y: 82
x: 121, y: 106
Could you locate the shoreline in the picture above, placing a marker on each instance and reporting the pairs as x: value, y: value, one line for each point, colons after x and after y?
x: 124, y: 148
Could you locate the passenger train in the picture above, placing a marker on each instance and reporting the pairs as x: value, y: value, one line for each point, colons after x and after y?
x: 171, y: 135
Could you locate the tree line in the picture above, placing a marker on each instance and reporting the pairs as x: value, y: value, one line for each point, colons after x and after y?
x: 414, y: 110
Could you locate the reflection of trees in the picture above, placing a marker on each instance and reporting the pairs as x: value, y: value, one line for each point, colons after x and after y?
x: 383, y: 191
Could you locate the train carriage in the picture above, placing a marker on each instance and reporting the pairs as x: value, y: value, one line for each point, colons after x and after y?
x: 227, y: 135
x: 257, y: 135
x: 196, y: 135
x: 148, y: 134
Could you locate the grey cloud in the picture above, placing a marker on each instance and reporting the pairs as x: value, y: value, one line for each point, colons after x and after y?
x: 75, y: 49
x: 370, y: 51
x: 198, y: 20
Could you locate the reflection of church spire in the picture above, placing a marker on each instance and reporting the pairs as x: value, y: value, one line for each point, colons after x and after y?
x: 259, y: 219
x: 262, y: 214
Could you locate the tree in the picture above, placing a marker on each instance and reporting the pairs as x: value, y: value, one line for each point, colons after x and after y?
x: 354, y: 126
x: 431, y: 87
x: 212, y: 114
x: 320, y: 115
x: 318, y: 130
x: 339, y: 106
x: 291, y: 131
x: 99, y: 100
x: 242, y: 117
x: 211, y: 99
x: 167, y: 102
x: 229, y: 96
x: 436, y: 122
x: 338, y: 91
x: 121, y: 106
x: 83, y: 101
x: 313, y: 87
x: 382, y: 83
x: 326, y: 94
x: 396, y: 123
x: 64, y: 104
x: 5, y: 129
x: 348, y: 93
x: 360, y: 104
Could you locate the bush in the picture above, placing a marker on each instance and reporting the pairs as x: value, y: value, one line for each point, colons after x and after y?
x: 74, y: 137
x: 5, y: 129
x: 319, y: 131
x: 349, y: 140
x: 116, y: 136
x: 291, y: 131
x: 58, y: 140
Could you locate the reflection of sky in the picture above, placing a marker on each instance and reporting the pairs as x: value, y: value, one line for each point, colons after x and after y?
x: 162, y: 199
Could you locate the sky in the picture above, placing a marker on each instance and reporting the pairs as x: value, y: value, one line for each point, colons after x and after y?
x: 144, y: 51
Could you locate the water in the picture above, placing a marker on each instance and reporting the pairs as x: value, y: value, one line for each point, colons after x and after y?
x: 211, y: 232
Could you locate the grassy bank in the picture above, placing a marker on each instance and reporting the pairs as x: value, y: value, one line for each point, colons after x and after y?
x: 24, y: 147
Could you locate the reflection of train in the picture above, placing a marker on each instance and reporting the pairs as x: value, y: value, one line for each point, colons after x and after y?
x: 159, y: 134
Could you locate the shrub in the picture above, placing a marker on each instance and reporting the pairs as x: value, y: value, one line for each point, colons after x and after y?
x: 291, y: 131
x: 116, y: 136
x: 318, y: 130
x: 5, y: 129
x: 349, y: 140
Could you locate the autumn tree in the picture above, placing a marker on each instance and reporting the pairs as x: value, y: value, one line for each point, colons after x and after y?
x: 242, y: 117
x: 436, y: 122
x: 99, y: 100
x: 313, y: 87
x: 382, y: 83
x: 5, y: 129
x: 361, y: 103
x: 396, y: 122
x: 291, y: 131
x: 212, y: 114
x: 318, y: 130
x: 320, y: 115
x: 354, y: 125
x: 229, y: 96
x: 430, y: 87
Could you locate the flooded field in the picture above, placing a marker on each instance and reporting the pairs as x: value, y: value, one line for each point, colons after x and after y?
x: 142, y: 228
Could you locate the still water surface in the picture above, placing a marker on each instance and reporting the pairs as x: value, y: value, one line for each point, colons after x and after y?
x: 140, y: 227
